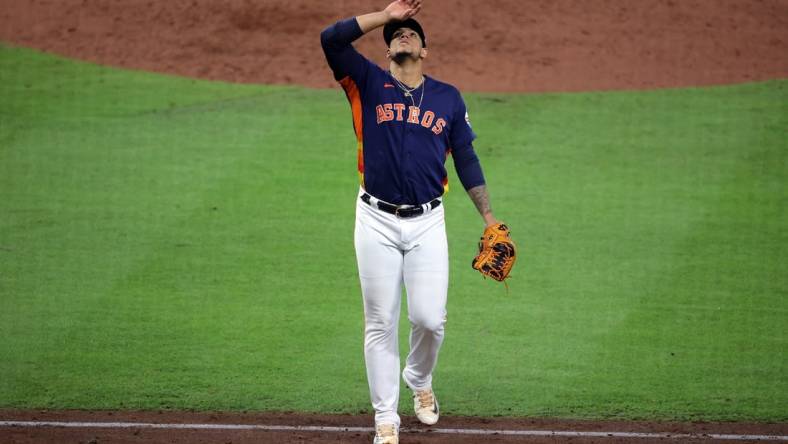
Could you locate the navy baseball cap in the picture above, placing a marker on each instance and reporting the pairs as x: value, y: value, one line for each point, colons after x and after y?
x: 391, y: 27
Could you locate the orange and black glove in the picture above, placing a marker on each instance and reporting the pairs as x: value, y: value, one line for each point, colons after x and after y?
x: 496, y: 252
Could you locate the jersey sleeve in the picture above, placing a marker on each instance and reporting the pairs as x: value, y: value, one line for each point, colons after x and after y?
x: 469, y: 170
x: 461, y: 132
x: 342, y: 57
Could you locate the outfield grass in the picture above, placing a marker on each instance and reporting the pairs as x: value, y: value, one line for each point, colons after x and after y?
x: 172, y: 243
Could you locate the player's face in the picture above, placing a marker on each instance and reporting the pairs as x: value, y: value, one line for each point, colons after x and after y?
x: 406, y: 42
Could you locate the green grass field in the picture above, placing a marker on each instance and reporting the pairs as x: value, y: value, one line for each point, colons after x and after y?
x: 172, y: 243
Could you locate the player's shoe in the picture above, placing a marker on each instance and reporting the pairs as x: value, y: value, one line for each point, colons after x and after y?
x: 386, y: 434
x: 426, y: 406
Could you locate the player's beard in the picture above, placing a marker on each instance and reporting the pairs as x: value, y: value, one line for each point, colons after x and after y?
x: 401, y: 57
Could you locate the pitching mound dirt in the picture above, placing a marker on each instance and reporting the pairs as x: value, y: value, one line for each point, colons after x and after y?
x: 504, y: 46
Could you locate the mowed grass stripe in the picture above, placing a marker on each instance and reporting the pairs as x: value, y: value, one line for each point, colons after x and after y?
x: 166, y: 242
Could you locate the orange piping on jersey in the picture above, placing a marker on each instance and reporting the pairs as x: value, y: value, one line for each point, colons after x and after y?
x: 354, y: 97
x: 446, y: 179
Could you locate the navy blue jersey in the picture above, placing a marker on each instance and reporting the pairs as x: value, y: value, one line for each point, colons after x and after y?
x: 402, y: 147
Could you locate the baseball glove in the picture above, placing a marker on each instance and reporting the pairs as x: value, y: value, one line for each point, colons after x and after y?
x: 496, y: 253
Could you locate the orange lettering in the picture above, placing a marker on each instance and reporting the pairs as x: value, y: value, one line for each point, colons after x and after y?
x: 384, y: 113
x: 399, y: 107
x: 438, y: 128
x: 389, y: 115
x: 426, y: 121
x: 413, y: 114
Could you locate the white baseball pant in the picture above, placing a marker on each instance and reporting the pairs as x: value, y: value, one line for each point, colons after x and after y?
x: 391, y: 251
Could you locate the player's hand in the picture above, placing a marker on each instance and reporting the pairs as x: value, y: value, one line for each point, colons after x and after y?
x: 402, y: 9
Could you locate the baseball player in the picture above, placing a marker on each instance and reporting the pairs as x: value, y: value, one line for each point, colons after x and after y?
x: 406, y: 125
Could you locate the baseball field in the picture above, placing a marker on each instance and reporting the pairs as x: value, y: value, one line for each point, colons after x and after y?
x: 171, y: 244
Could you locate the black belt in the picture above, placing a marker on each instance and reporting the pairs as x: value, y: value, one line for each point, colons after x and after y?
x: 403, y: 211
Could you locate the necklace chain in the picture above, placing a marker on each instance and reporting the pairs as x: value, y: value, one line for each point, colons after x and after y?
x: 409, y: 91
x: 404, y: 87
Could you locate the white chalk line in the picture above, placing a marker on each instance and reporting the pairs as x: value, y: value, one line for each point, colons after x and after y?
x: 284, y: 428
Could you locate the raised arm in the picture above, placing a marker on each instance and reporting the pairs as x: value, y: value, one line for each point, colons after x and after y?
x: 398, y: 10
x: 344, y: 32
x: 337, y: 39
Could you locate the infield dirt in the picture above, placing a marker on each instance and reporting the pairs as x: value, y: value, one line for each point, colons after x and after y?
x: 501, y: 46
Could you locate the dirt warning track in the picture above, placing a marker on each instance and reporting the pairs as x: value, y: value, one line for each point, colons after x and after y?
x: 28, y: 427
x: 502, y: 46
